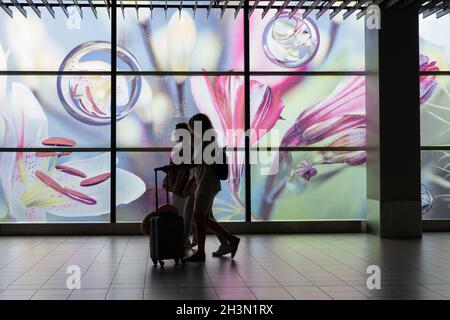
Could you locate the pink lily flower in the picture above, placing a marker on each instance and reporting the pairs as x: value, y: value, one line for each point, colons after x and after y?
x: 224, y: 102
x: 351, y: 138
x: 344, y: 109
x: 428, y: 84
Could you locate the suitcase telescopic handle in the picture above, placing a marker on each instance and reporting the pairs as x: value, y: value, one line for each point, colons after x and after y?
x: 156, y: 189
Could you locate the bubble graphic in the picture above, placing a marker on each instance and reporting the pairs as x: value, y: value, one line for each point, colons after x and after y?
x: 290, y: 42
x: 88, y: 97
x: 295, y: 185
x: 427, y: 199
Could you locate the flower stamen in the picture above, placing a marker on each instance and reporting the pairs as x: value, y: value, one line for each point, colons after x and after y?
x: 80, y: 197
x: 71, y: 171
x: 95, y: 180
x: 59, y: 142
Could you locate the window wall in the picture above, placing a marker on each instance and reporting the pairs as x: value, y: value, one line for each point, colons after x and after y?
x: 69, y: 113
x: 435, y: 116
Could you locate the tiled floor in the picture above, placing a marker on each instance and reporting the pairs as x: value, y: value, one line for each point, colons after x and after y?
x: 266, y: 267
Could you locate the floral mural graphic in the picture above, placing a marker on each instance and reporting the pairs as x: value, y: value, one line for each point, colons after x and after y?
x: 311, y: 115
x: 435, y: 117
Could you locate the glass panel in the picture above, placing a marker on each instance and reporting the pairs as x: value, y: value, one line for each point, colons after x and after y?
x: 308, y: 111
x: 36, y: 108
x: 435, y: 40
x: 435, y: 110
x: 136, y: 191
x: 164, y: 103
x: 181, y: 42
x: 55, y: 187
x: 435, y: 184
x: 307, y: 45
x: 308, y: 185
x: 43, y: 44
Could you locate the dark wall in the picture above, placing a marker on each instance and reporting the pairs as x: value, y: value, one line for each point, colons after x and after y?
x: 393, y: 110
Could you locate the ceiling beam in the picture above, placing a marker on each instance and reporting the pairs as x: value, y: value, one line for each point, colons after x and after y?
x: 6, y: 8
x: 94, y: 11
x: 426, y: 7
x: 339, y: 9
x: 311, y: 8
x: 19, y: 7
x: 281, y: 9
x: 195, y: 7
x: 241, y: 4
x: 267, y: 8
x: 443, y: 12
x: 137, y: 9
x: 75, y: 2
x: 255, y: 4
x: 122, y: 9
x: 358, y: 5
x: 34, y: 7
x: 107, y: 8
x: 211, y: 2
x: 296, y: 8
x: 325, y: 8
x: 49, y: 8
x: 437, y: 8
x: 224, y: 7
x: 63, y: 8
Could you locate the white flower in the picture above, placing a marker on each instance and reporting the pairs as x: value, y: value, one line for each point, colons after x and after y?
x: 174, y: 44
x: 28, y: 50
x: 3, y: 67
x: 28, y: 197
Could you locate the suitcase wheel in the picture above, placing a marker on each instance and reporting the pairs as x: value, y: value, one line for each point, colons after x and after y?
x: 155, y: 262
x: 161, y: 262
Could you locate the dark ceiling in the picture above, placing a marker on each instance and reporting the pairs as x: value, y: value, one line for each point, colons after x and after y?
x: 348, y: 7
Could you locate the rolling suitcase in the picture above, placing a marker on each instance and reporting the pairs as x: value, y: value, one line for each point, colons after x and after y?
x: 166, y: 234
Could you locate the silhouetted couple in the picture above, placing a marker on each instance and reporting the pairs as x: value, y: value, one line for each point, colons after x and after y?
x: 203, y: 176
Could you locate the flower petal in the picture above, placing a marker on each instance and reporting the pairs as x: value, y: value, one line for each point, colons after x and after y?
x: 330, y: 127
x: 129, y: 187
x: 206, y: 101
x: 347, y: 98
x: 27, y: 117
x: 92, y: 166
x: 230, y: 94
x: 352, y: 138
x: 73, y: 208
x: 3, y: 67
x: 181, y: 36
x: 265, y: 109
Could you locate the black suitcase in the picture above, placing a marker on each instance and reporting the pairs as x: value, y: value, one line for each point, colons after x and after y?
x: 166, y: 234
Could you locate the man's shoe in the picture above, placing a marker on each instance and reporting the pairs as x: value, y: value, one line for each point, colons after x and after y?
x: 195, y: 258
x: 223, y: 250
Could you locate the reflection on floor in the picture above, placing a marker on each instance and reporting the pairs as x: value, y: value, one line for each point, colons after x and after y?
x: 266, y: 267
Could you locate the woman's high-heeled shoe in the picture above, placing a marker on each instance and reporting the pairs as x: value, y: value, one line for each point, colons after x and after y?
x: 234, y: 246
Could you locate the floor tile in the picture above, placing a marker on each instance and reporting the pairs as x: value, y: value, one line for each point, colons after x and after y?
x: 269, y: 293
x: 305, y: 266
